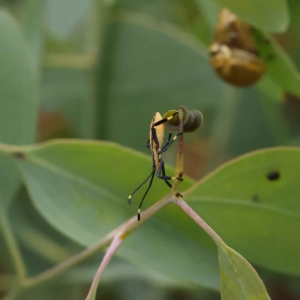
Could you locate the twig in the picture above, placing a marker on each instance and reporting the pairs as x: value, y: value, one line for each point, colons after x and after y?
x: 179, y: 157
x: 12, y: 294
x: 114, y: 246
x: 184, y: 206
x: 13, y: 247
x: 127, y: 227
x: 7, y: 281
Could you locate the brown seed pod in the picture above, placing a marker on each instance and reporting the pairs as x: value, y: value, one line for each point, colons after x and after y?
x: 233, y: 32
x: 233, y: 55
x: 236, y: 66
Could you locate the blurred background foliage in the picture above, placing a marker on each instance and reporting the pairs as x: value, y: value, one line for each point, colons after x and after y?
x: 104, y: 68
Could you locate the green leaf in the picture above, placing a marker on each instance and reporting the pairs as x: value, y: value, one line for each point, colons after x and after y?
x: 81, y: 188
x: 239, y: 281
x: 267, y: 15
x: 209, y: 10
x: 252, y: 202
x: 18, y: 100
x: 167, y: 10
x: 33, y: 27
x: 68, y: 92
x: 38, y: 237
x: 56, y: 12
x: 282, y: 70
x: 281, y: 75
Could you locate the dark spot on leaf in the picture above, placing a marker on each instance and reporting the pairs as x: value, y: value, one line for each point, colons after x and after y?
x: 274, y: 175
x: 20, y: 155
x: 255, y: 198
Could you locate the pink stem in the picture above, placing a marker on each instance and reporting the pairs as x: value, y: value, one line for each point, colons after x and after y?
x: 182, y: 204
x: 112, y: 249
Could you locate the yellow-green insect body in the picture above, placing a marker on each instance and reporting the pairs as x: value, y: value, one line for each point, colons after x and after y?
x: 156, y: 142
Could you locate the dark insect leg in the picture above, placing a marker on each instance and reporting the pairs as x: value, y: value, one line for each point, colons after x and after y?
x: 148, y: 144
x: 169, y: 143
x: 130, y: 196
x: 167, y: 182
x: 164, y: 177
x: 164, y: 174
x: 151, y: 174
x: 141, y: 203
x: 164, y: 120
x: 162, y: 171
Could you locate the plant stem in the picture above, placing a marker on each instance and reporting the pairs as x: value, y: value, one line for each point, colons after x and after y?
x: 179, y: 157
x: 13, y: 247
x: 76, y: 61
x: 6, y: 282
x: 126, y: 227
x: 184, y: 206
x: 12, y: 294
x: 66, y: 264
x: 114, y: 246
x: 103, y: 52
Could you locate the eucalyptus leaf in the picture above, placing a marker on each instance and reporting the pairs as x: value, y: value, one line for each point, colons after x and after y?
x: 81, y: 188
x: 68, y: 93
x: 282, y: 74
x: 210, y: 11
x: 56, y: 12
x: 252, y: 203
x: 33, y: 27
x: 18, y: 94
x: 267, y: 15
x: 239, y: 281
x: 282, y: 70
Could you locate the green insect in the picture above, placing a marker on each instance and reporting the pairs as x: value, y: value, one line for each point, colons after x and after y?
x: 192, y: 120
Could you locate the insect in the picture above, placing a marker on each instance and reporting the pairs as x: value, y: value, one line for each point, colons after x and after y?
x: 191, y: 121
x: 234, y: 55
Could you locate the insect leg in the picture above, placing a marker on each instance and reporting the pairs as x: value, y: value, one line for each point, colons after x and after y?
x: 148, y: 144
x: 164, y: 177
x: 164, y: 174
x: 130, y: 196
x: 169, y: 143
x: 153, y: 171
x: 164, y: 120
x: 167, y: 182
x: 141, y: 203
x: 154, y: 136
